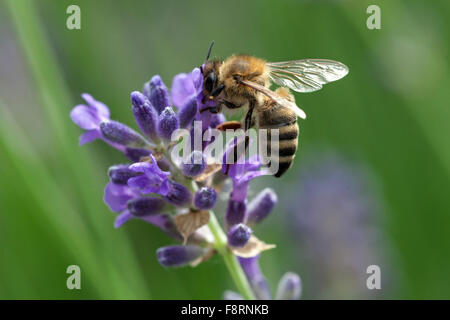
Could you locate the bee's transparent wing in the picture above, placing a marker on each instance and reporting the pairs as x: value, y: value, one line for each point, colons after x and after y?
x: 285, y: 103
x: 306, y: 75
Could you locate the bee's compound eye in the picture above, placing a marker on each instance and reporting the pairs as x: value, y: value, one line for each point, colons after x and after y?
x: 210, y: 81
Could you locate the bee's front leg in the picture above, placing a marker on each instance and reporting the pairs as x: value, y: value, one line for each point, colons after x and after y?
x: 229, y: 104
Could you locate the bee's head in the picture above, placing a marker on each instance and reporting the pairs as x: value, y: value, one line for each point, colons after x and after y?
x: 210, y: 71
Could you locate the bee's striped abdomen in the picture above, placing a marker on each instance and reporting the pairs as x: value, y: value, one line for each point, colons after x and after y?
x: 285, y: 121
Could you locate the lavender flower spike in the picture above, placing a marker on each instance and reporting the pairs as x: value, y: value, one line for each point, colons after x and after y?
x: 168, y: 123
x: 260, y: 207
x: 205, y: 198
x: 145, y: 115
x: 239, y: 235
x: 121, y: 134
x: 289, y: 287
x: 178, y: 256
x: 157, y: 93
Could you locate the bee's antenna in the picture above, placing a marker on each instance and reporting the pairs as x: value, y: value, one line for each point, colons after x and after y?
x: 209, y: 50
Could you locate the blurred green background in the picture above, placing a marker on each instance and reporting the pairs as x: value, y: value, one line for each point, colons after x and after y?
x: 391, y: 113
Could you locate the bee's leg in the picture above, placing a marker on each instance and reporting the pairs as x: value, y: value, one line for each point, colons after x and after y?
x: 248, y: 116
x: 229, y: 104
x: 248, y: 122
x: 214, y: 109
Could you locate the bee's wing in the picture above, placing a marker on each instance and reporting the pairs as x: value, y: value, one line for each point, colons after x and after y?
x: 285, y: 103
x: 306, y: 75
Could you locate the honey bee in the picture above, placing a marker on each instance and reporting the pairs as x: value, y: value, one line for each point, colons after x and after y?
x: 244, y: 81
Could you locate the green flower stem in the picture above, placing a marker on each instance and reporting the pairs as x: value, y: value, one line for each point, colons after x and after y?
x: 231, y: 262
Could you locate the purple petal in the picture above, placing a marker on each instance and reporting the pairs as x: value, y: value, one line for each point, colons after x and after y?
x: 197, y: 79
x: 140, y: 182
x: 116, y: 196
x: 90, y: 136
x: 165, y: 223
x: 85, y: 117
x: 122, y: 218
x: 100, y: 107
x: 157, y: 93
x: 183, y: 87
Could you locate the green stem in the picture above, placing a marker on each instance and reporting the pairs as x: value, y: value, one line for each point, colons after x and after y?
x: 231, y: 262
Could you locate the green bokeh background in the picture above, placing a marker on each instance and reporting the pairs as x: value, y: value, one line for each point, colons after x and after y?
x: 391, y: 112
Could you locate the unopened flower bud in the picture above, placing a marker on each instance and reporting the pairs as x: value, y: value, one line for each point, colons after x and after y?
x: 120, y: 174
x: 194, y: 164
x: 121, y: 134
x: 235, y: 212
x: 205, y: 198
x: 178, y: 256
x: 135, y: 155
x: 260, y: 207
x: 239, y: 235
x: 168, y: 123
x: 178, y: 194
x: 156, y: 91
x: 289, y: 287
x: 187, y: 112
x: 145, y: 206
x: 145, y: 115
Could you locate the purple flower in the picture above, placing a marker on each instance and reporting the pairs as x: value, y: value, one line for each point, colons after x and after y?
x: 255, y: 277
x: 186, y: 86
x: 205, y: 198
x: 239, y: 235
x: 157, y: 93
x: 153, y: 180
x: 178, y: 194
x: 241, y: 174
x: 216, y: 119
x: 121, y: 134
x: 145, y: 115
x: 119, y: 174
x: 289, y: 287
x: 145, y: 206
x: 117, y: 196
x: 194, y: 164
x: 187, y: 112
x: 135, y: 155
x: 178, y: 256
x: 89, y: 117
x: 168, y: 123
x: 235, y: 213
x: 260, y: 207
x: 334, y: 221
